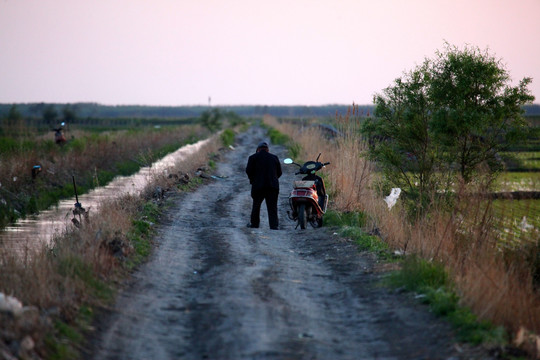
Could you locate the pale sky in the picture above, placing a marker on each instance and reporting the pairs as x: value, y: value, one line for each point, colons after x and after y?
x: 290, y: 52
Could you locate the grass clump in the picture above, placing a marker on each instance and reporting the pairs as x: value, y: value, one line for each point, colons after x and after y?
x: 350, y: 225
x: 76, y: 268
x: 277, y: 137
x: 349, y: 218
x: 141, y: 232
x: 418, y: 275
x: 366, y: 242
x: 192, y: 184
x: 227, y: 137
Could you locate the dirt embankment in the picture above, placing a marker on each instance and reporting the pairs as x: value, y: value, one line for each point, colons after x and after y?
x: 214, y: 289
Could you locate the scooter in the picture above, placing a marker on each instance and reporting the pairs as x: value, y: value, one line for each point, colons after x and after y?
x: 304, y: 198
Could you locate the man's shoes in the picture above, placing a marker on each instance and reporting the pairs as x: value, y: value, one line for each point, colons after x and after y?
x: 274, y: 228
x: 252, y: 226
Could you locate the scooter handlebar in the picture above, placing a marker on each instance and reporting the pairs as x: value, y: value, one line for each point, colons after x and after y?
x: 326, y: 163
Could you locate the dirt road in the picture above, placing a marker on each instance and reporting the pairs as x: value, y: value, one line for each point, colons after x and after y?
x: 214, y: 289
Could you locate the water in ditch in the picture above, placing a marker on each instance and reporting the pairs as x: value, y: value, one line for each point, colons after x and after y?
x: 39, y: 229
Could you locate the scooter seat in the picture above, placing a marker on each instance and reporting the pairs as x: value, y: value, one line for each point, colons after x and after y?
x: 303, y: 184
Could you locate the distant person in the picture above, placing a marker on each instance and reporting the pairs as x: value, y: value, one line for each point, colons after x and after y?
x: 59, y: 137
x: 36, y: 169
x: 263, y: 170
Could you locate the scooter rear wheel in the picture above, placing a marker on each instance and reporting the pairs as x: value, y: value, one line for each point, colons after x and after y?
x: 302, y: 216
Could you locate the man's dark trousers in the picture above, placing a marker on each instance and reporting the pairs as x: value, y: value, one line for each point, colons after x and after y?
x: 270, y: 195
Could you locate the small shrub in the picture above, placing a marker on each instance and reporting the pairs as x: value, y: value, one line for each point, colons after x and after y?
x: 151, y: 211
x: 277, y: 137
x: 192, y: 184
x: 142, y: 227
x: 227, y: 137
x: 418, y: 275
x: 368, y: 242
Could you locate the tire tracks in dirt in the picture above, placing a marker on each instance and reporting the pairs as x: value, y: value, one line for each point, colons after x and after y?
x: 214, y: 289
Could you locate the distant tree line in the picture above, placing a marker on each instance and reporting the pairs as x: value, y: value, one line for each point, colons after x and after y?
x: 52, y: 112
x: 47, y: 115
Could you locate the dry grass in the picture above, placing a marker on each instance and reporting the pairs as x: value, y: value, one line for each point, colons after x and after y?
x: 495, y: 282
x: 80, y: 266
x: 55, y: 275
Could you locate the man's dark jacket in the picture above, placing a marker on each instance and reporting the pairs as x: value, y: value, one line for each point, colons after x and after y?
x: 263, y: 170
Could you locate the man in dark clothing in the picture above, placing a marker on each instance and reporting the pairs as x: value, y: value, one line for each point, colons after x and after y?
x: 263, y: 170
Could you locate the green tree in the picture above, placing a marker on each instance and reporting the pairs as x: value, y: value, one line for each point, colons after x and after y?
x: 211, y: 119
x: 69, y: 114
x: 14, y: 116
x: 12, y: 122
x: 50, y: 114
x: 446, y: 117
x: 399, y: 134
x: 476, y: 112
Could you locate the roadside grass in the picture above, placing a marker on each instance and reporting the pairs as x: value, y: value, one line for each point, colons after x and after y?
x: 366, y: 242
x: 428, y: 280
x: 191, y: 185
x: 432, y: 285
x: 352, y: 225
x: 340, y: 219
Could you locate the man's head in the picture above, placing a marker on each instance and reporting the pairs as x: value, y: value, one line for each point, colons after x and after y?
x: 262, y: 146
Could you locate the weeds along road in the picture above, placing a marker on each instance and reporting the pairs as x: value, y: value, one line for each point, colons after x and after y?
x: 214, y: 289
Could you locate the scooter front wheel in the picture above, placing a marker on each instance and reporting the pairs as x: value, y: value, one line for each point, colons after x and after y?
x: 302, y: 216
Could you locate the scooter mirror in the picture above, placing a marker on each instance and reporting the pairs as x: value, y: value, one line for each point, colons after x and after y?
x: 288, y: 161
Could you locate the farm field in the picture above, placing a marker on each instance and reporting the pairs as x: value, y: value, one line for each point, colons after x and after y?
x: 518, y: 181
x: 519, y: 218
